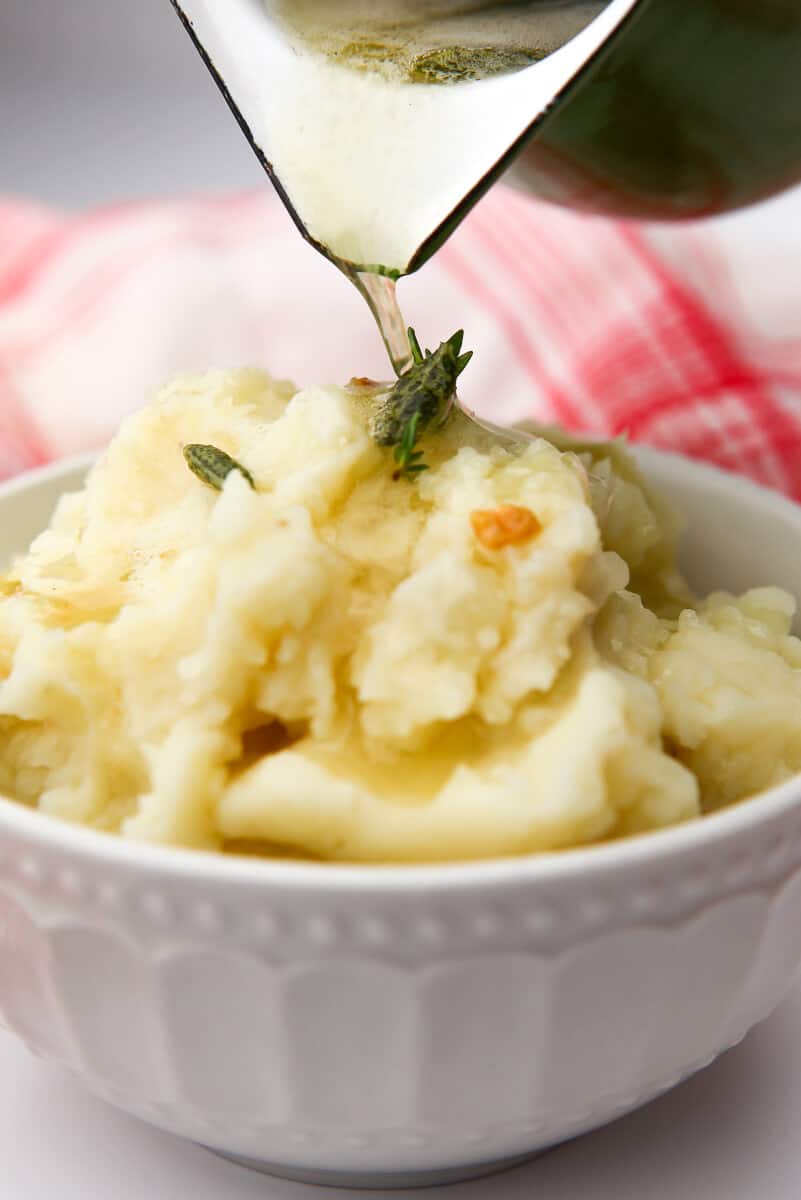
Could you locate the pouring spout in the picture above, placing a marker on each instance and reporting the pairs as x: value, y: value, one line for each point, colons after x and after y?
x: 378, y: 166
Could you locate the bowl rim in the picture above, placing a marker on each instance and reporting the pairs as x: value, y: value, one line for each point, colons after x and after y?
x: 111, y: 850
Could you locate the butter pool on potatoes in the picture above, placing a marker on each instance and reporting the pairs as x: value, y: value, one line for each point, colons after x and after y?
x: 335, y: 665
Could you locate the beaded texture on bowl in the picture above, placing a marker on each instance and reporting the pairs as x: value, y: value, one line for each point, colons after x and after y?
x: 493, y: 1021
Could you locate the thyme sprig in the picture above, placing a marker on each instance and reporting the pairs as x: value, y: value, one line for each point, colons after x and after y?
x: 213, y: 466
x: 409, y: 460
x: 422, y: 395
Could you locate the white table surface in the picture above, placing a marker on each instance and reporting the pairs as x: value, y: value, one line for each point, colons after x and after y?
x: 731, y: 1133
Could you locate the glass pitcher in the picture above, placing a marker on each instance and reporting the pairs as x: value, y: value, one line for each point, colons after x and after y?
x: 382, y: 122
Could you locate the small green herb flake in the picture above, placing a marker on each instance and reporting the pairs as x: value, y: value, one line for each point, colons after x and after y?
x: 409, y: 460
x: 422, y: 395
x: 456, y: 64
x: 213, y: 466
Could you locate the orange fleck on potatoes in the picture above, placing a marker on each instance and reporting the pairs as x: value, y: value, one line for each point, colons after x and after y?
x: 508, y: 525
x: 361, y: 383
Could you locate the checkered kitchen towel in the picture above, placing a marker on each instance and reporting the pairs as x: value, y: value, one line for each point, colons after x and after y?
x: 688, y: 338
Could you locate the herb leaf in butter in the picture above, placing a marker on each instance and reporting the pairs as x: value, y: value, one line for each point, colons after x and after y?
x: 213, y: 466
x: 456, y: 64
x: 421, y: 395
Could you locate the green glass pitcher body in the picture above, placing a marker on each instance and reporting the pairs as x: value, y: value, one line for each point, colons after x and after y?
x: 692, y: 108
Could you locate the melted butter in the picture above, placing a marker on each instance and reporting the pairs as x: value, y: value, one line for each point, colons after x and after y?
x: 416, y: 776
x: 436, y: 41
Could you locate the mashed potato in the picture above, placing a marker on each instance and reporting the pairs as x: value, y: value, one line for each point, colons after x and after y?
x: 339, y: 665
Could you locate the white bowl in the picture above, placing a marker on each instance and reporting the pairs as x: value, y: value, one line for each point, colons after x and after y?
x: 380, y: 1026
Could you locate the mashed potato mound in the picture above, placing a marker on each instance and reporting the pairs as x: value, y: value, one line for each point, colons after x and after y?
x: 335, y: 664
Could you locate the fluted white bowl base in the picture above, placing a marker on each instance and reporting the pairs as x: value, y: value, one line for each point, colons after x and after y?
x: 381, y: 1181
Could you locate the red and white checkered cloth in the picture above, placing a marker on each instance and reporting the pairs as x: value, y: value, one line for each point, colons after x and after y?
x: 687, y: 338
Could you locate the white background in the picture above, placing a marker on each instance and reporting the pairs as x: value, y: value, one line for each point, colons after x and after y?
x: 103, y: 100
x: 106, y: 99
